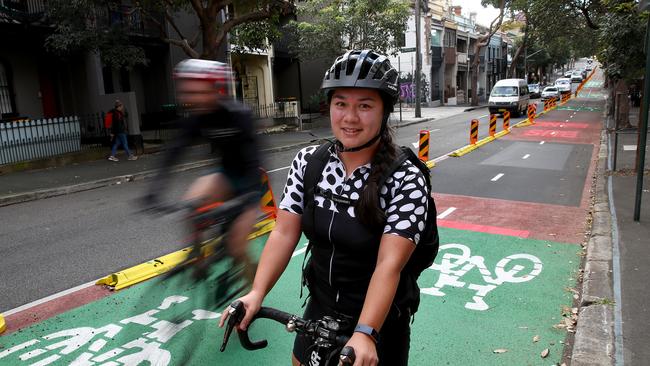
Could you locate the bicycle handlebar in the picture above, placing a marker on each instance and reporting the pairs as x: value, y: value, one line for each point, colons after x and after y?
x: 324, y: 330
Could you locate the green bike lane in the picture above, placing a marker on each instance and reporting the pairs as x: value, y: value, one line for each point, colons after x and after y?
x: 500, y: 291
x: 485, y: 293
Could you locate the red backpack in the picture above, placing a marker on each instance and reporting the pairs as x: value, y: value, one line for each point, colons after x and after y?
x: 108, y: 120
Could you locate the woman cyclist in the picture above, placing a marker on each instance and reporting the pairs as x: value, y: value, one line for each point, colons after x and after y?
x: 358, y: 249
x: 202, y: 88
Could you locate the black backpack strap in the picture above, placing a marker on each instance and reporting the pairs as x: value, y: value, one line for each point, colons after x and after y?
x: 313, y: 171
x: 405, y: 153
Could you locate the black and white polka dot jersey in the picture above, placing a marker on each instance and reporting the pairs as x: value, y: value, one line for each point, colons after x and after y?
x: 403, y: 197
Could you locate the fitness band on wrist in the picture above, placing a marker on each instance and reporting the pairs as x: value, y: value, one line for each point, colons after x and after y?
x: 366, y: 329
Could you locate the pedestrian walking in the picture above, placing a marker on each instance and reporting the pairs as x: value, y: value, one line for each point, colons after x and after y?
x: 119, y: 131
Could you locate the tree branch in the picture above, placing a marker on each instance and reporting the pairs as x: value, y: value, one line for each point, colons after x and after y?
x: 585, y: 13
x: 200, y: 12
x: 184, y: 46
x: 231, y: 23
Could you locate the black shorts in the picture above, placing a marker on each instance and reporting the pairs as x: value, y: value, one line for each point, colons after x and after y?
x: 392, y: 349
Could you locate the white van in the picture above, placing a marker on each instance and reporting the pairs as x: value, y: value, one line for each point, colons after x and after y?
x: 510, y: 94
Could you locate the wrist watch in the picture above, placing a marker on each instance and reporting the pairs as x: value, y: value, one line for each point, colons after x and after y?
x: 366, y: 329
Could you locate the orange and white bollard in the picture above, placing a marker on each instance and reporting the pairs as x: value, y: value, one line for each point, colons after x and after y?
x: 423, y: 149
x: 473, y: 132
x: 267, y: 203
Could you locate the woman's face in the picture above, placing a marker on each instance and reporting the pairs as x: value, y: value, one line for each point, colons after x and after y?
x: 356, y: 115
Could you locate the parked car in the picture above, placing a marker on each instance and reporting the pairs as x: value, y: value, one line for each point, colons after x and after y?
x: 576, y: 77
x: 551, y: 92
x: 588, y: 68
x: 533, y: 89
x: 584, y: 74
x: 510, y: 94
x: 567, y: 74
x: 563, y: 85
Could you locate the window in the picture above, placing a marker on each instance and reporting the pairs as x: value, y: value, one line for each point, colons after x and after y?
x: 7, y: 103
x: 435, y: 37
x: 450, y: 38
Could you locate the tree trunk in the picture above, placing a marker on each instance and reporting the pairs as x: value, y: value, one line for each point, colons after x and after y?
x: 513, y: 67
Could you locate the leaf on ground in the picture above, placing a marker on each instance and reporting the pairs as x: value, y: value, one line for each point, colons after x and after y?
x: 545, y: 353
x: 500, y: 350
x: 536, y: 339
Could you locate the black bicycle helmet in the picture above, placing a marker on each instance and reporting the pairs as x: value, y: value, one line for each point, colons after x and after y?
x: 362, y: 69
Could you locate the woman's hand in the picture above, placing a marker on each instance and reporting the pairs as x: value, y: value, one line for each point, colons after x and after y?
x: 365, y: 349
x: 252, y: 304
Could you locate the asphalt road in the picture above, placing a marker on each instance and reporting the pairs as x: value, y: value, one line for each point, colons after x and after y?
x: 54, y: 244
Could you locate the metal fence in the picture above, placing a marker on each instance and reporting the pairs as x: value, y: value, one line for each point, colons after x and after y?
x: 276, y: 110
x: 24, y: 140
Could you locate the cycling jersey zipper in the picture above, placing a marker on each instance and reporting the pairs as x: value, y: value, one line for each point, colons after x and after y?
x: 329, y: 235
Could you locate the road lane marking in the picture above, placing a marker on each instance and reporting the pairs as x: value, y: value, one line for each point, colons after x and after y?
x: 497, y: 177
x: 278, y: 169
x: 298, y: 252
x: 526, y: 156
x: 541, y: 142
x: 629, y: 147
x: 49, y: 298
x: 446, y: 213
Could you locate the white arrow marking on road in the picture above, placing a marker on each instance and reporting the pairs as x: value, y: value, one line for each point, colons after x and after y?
x: 526, y: 156
x: 447, y: 212
x: 496, y: 178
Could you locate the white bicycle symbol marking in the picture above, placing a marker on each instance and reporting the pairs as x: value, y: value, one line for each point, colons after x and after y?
x: 454, y: 266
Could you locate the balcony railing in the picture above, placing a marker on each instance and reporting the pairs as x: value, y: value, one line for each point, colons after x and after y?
x: 23, y: 10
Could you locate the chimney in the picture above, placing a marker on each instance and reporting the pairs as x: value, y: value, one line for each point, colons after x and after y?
x: 457, y: 10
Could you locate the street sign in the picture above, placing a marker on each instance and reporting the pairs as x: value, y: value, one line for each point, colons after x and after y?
x: 407, y: 49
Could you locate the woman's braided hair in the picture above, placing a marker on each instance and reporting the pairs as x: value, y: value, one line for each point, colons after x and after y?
x: 367, y: 208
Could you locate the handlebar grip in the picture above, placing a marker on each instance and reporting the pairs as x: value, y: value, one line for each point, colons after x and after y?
x: 248, y: 344
x: 268, y: 313
x: 347, y: 356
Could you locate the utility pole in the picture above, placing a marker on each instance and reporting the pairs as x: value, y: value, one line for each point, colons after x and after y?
x: 643, y: 128
x: 418, y: 60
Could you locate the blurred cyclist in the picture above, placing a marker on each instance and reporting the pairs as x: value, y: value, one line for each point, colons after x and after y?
x: 202, y: 88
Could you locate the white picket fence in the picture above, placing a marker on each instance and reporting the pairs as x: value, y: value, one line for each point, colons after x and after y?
x: 33, y: 139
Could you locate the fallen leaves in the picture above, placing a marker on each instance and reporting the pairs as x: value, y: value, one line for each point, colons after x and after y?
x: 545, y: 353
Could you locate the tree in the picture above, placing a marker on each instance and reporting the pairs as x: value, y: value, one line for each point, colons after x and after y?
x: 86, y: 25
x: 482, y: 41
x: 331, y: 27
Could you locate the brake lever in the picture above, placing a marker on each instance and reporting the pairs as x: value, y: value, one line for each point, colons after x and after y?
x: 237, y: 312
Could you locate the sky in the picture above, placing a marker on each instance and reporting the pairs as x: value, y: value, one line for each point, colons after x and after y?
x: 484, y: 16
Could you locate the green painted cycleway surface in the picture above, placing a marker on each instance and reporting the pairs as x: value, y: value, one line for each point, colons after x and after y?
x: 485, y: 292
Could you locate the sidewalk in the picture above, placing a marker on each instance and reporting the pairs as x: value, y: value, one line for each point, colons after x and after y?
x: 28, y: 185
x: 630, y: 251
